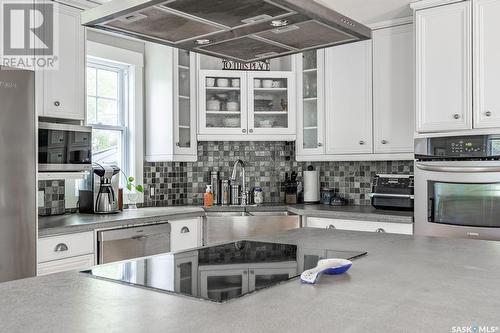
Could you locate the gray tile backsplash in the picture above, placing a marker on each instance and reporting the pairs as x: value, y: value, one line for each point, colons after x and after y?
x: 267, y: 163
x: 53, y: 197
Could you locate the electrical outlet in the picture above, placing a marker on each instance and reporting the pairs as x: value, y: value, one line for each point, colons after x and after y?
x: 151, y: 191
x: 41, y: 198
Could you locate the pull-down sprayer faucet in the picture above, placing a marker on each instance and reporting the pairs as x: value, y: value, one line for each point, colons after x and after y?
x: 243, y: 184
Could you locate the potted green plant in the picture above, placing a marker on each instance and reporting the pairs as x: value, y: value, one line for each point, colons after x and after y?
x: 133, y: 191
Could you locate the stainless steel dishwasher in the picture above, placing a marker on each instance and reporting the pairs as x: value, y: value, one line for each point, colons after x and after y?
x: 135, y: 242
x: 229, y: 226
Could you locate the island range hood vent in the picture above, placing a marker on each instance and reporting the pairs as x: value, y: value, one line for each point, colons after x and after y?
x: 240, y: 30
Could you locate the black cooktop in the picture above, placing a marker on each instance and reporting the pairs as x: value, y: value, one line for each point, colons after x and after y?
x: 221, y: 272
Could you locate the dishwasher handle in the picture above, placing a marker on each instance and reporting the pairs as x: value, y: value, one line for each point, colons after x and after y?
x: 134, y: 232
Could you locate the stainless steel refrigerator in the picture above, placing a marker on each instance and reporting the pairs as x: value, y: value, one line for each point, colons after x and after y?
x: 17, y: 174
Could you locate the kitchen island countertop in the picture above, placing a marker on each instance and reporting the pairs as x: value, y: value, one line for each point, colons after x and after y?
x: 72, y: 223
x: 404, y: 284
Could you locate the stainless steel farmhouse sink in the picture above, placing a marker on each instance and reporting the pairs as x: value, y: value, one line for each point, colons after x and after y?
x: 228, y: 226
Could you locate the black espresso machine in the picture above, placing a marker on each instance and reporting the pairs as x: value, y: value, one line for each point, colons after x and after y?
x: 393, y: 192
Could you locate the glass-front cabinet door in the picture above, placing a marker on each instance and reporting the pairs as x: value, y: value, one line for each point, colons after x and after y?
x: 223, y: 108
x: 261, y: 278
x: 184, y: 102
x: 310, y: 71
x: 271, y: 109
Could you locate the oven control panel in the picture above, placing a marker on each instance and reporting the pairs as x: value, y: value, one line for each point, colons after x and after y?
x: 462, y: 147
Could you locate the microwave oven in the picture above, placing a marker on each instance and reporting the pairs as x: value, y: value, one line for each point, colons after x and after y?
x: 63, y: 147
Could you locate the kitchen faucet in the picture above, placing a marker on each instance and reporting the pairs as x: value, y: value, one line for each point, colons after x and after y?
x: 243, y: 184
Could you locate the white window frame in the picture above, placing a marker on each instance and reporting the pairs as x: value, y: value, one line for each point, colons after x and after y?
x: 123, y: 106
x: 134, y: 61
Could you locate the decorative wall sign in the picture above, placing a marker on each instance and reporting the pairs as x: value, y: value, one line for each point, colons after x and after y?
x: 230, y: 65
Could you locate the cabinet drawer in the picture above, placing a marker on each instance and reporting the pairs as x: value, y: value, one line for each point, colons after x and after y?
x: 68, y: 264
x: 185, y: 234
x: 65, y: 246
x: 354, y: 225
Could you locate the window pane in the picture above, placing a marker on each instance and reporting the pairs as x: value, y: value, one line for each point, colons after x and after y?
x: 91, y: 81
x: 107, y: 84
x: 91, y: 110
x: 107, y: 147
x: 107, y: 112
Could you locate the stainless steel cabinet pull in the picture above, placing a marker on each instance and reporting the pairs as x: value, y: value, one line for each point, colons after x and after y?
x: 384, y: 142
x: 456, y: 116
x: 57, y: 103
x: 380, y: 230
x: 138, y: 237
x: 61, y: 247
x: 320, y: 144
x: 245, y: 272
x: 185, y: 230
x: 361, y: 142
x: 251, y: 130
x: 488, y: 113
x: 244, y: 130
x: 252, y: 272
x: 177, y: 144
x: 331, y: 227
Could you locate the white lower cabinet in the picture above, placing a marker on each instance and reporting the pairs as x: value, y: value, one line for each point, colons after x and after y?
x: 185, y: 234
x: 68, y: 264
x: 65, y: 252
x: 355, y: 225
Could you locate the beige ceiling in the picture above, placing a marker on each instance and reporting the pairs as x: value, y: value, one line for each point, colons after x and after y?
x: 370, y: 11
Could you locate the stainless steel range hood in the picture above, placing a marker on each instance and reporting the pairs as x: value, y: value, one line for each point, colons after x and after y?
x: 241, y: 30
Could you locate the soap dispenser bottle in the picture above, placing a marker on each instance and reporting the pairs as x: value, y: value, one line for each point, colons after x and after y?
x: 208, y: 198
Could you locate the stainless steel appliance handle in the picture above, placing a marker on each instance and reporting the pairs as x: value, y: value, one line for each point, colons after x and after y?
x: 133, y: 233
x: 185, y: 230
x: 386, y: 195
x: 451, y: 168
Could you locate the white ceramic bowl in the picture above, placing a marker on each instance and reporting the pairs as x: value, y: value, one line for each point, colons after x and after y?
x: 210, y: 82
x: 257, y: 83
x: 233, y: 106
x: 267, y: 83
x: 213, y: 105
x: 235, y: 83
x: 223, y: 83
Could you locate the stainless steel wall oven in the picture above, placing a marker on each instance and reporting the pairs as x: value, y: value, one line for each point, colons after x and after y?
x: 457, y: 187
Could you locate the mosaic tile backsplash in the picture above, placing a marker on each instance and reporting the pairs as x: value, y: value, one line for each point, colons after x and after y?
x: 53, y: 197
x: 266, y: 165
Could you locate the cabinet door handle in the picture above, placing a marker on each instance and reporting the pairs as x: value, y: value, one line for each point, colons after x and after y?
x: 488, y: 113
x: 361, y: 142
x: 320, y: 144
x: 61, y: 247
x: 251, y: 130
x: 57, y: 103
x: 380, y: 230
x: 252, y: 272
x: 384, y: 142
x: 185, y: 230
x: 456, y: 116
x: 177, y: 144
x: 244, y: 130
x: 331, y: 227
x: 245, y: 272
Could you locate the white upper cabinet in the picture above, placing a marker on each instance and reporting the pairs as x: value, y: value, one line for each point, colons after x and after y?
x: 170, y: 86
x: 310, y: 103
x: 486, y: 64
x: 348, y: 100
x: 62, y: 91
x: 444, y: 67
x: 393, y: 90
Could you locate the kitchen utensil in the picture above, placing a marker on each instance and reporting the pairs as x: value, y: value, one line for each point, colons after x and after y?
x: 258, y: 196
x: 235, y: 194
x: 214, y: 181
x: 210, y: 82
x: 267, y: 83
x: 222, y: 83
x: 235, y: 83
x: 327, y: 266
x: 257, y: 83
x: 225, y: 193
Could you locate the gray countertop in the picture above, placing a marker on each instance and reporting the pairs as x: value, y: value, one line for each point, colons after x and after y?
x: 72, y: 223
x: 404, y: 284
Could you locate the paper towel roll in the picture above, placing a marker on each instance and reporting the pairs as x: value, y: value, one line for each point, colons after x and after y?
x: 311, y: 186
